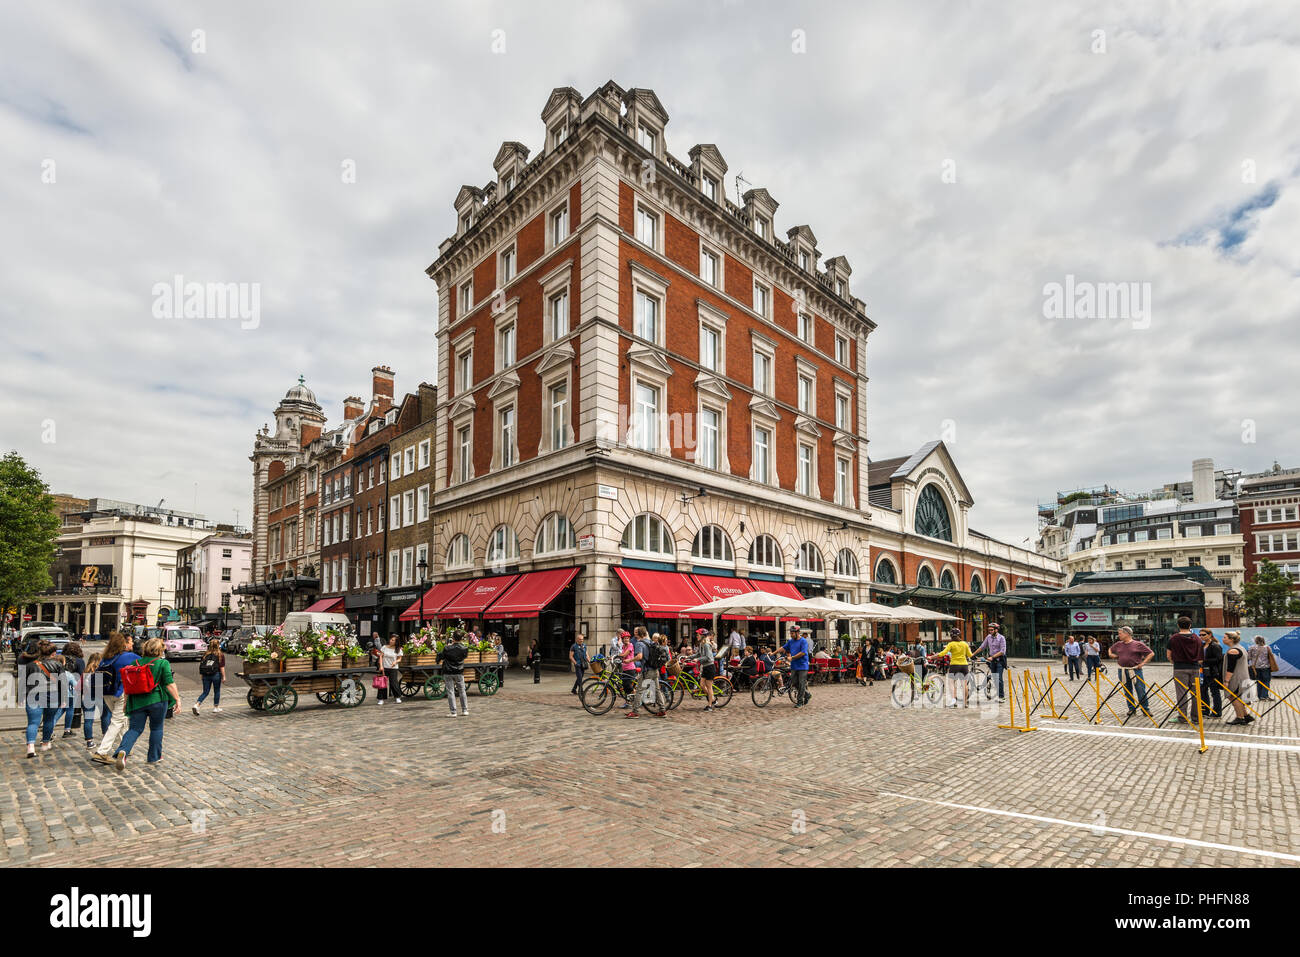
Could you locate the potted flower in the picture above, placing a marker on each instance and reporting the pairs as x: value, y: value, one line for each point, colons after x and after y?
x: 257, y: 658
x: 292, y: 653
x: 329, y: 647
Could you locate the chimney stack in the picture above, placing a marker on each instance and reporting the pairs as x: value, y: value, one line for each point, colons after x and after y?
x: 352, y: 408
x: 381, y: 383
x: 1203, y: 481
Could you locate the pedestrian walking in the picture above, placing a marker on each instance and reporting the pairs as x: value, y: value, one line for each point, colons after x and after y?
x: 117, y: 655
x: 74, y: 666
x: 1185, y: 652
x: 1132, y: 656
x: 534, y: 661
x: 43, y: 689
x: 1262, y: 665
x: 797, y: 649
x: 92, y: 692
x: 212, y: 669
x: 1211, y: 674
x: 1073, y: 650
x: 578, y: 658
x: 151, y: 696
x: 388, y: 655
x: 1092, y: 655
x: 452, y: 660
x: 1237, y: 669
x: 995, y: 646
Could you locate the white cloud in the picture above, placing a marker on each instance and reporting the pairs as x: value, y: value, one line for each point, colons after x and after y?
x: 224, y: 166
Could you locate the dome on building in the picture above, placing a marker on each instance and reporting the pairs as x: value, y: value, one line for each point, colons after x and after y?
x: 300, y: 393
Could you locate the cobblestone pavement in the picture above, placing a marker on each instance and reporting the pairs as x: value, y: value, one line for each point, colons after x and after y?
x: 530, y: 779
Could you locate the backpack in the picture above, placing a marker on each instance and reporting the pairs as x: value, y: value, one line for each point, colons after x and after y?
x: 210, y: 665
x: 139, y: 678
x: 655, y: 656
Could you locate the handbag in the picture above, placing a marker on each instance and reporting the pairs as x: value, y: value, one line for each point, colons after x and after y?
x: 379, y: 681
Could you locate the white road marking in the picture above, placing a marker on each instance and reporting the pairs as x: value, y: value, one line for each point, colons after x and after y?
x: 1257, y: 745
x: 1089, y: 826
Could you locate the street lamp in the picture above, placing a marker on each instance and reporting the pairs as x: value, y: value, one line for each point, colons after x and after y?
x: 423, y: 566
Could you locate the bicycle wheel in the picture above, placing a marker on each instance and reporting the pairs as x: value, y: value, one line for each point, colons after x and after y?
x: 722, y: 692
x: 990, y: 686
x: 761, y: 692
x: 678, y: 693
x: 935, y: 690
x: 597, y: 697
x: 902, y: 692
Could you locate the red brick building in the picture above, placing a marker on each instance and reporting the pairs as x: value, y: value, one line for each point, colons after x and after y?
x: 645, y: 391
x: 1269, y: 507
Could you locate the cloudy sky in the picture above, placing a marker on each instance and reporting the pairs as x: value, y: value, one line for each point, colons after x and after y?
x: 963, y: 156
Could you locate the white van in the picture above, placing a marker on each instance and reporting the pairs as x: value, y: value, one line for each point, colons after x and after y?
x: 297, y: 621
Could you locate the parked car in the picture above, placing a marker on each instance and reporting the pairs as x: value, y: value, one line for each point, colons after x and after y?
x: 237, y: 643
x: 183, y: 643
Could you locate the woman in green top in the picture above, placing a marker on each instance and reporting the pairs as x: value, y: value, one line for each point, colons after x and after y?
x: 151, y: 706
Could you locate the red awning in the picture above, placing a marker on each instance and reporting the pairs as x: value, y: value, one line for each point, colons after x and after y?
x: 660, y: 593
x: 476, y: 596
x: 326, y: 604
x: 531, y: 593
x: 433, y: 600
x: 713, y: 587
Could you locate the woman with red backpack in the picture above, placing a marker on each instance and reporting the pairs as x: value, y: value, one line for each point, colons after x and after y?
x: 147, y: 685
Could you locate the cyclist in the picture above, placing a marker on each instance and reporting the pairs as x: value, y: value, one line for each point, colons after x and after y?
x: 959, y: 655
x: 996, y: 646
x: 797, y: 649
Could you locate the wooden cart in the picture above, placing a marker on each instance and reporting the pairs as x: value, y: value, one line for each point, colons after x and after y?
x: 427, y: 679
x: 277, y: 692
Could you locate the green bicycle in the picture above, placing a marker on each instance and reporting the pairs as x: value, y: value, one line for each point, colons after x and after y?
x: 907, y: 687
x: 602, y: 691
x: 684, y: 683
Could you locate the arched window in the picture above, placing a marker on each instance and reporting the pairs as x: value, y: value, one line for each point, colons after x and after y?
x: 809, y: 559
x: 947, y: 581
x: 503, y: 545
x: 1002, y: 585
x: 458, y: 552
x: 648, y: 533
x: 885, y: 574
x: 976, y: 584
x: 765, y: 552
x: 846, y: 564
x: 712, y: 544
x: 932, y: 515
x: 925, y: 577
x: 554, y: 534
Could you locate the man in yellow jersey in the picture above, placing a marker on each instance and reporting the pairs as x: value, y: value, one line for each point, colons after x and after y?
x: 959, y: 655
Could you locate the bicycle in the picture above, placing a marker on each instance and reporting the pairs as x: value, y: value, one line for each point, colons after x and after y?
x: 906, y: 686
x: 602, y: 691
x: 685, y: 682
x: 765, y: 686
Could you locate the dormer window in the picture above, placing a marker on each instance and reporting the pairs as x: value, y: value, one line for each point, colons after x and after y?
x: 559, y: 134
x: 762, y: 227
x: 466, y: 221
x: 709, y: 188
x: 804, y: 260
x: 839, y: 287
x: 507, y: 182
x: 647, y: 137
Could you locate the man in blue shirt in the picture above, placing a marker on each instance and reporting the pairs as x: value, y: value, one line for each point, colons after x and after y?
x: 798, y: 650
x: 114, y: 700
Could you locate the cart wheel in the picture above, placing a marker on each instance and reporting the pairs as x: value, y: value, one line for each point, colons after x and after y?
x: 411, y: 688
x: 434, y: 689
x: 488, y: 682
x: 327, y: 697
x: 255, y: 701
x: 281, y: 699
x: 352, y: 691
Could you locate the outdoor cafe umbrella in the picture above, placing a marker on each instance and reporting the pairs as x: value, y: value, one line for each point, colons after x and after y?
x: 834, y: 608
x: 759, y: 604
x: 910, y: 612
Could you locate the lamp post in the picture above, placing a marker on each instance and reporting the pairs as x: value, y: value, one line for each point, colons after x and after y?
x: 423, y: 566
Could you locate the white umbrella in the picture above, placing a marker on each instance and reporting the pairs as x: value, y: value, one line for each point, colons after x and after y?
x: 913, y: 613
x: 868, y: 611
x: 759, y: 604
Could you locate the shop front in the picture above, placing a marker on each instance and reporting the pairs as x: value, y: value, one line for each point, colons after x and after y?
x: 363, y: 611
x: 392, y: 602
x: 521, y: 608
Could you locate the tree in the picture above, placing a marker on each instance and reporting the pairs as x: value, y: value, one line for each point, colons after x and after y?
x: 29, y: 529
x: 1270, y: 596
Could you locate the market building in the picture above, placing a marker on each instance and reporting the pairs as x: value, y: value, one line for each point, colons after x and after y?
x: 648, y: 399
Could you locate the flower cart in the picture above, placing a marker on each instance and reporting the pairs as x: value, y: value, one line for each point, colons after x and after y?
x: 282, y: 668
x: 421, y: 673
